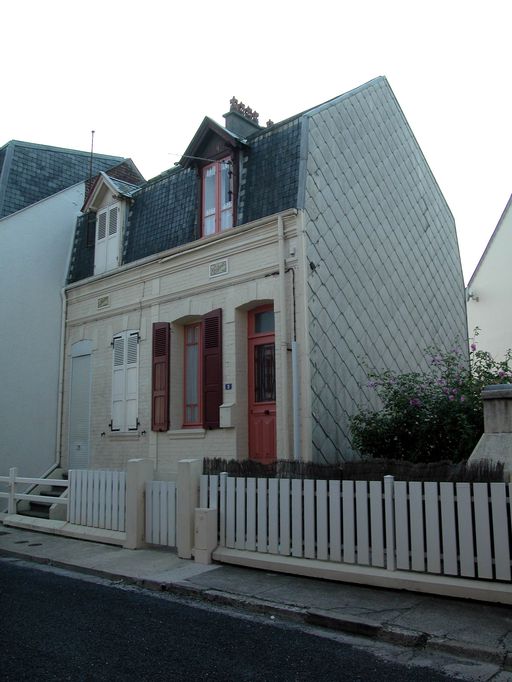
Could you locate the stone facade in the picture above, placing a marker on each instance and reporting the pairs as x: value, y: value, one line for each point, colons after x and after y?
x: 178, y: 288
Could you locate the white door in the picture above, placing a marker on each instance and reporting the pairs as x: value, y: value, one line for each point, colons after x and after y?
x: 80, y: 412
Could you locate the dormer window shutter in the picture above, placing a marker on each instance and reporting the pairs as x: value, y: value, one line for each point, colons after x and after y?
x: 100, y: 249
x: 113, y: 238
x: 106, y: 252
x: 102, y: 225
x: 160, y: 377
x: 212, y: 368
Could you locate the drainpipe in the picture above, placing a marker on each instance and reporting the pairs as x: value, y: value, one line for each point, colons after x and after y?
x: 64, y: 304
x: 295, y: 402
x: 284, y: 343
x: 295, y: 379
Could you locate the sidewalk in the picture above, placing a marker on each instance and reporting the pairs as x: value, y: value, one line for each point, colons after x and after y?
x: 468, y: 629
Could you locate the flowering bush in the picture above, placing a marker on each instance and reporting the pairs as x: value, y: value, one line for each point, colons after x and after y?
x: 434, y: 415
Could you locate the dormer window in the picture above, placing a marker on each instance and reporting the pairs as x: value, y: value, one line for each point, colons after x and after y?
x: 217, y: 196
x: 106, y: 251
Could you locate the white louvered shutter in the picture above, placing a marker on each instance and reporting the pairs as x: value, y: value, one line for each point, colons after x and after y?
x: 118, y: 383
x: 112, y: 248
x: 125, y: 381
x: 132, y: 381
x: 100, y: 249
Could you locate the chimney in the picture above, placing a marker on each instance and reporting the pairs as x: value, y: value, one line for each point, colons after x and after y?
x: 241, y: 120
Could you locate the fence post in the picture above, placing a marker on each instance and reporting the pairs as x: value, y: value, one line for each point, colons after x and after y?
x: 11, y: 505
x: 187, y: 499
x: 138, y: 472
x: 389, y: 514
x: 223, y: 477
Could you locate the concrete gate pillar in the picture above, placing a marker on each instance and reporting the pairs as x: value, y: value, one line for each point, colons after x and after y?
x: 496, y: 442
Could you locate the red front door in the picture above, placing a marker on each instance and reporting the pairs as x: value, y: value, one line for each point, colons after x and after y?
x: 262, y: 385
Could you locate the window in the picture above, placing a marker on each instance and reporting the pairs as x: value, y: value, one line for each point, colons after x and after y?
x: 125, y: 381
x: 106, y: 251
x: 199, y: 364
x: 192, y: 379
x: 217, y: 199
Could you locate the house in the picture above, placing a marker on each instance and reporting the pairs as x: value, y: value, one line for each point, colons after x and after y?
x: 41, y: 192
x: 489, y: 290
x: 242, y: 289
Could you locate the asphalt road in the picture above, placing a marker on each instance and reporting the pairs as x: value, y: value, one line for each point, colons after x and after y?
x: 57, y: 627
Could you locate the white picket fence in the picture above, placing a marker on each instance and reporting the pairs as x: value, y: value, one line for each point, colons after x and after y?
x: 454, y: 529
x: 97, y: 499
x: 161, y: 513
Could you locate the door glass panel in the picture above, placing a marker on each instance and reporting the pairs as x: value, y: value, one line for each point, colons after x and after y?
x: 264, y: 373
x: 264, y: 322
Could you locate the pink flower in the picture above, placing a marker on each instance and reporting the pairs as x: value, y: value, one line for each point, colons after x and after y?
x: 451, y: 397
x: 462, y: 398
x: 473, y: 347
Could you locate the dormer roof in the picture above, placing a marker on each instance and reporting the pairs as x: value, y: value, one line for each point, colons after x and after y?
x: 105, y: 183
x: 210, y: 140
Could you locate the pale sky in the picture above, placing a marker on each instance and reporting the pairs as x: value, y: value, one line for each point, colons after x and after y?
x: 144, y: 74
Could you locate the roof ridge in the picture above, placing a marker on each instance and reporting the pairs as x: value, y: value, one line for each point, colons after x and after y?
x: 36, y: 145
x: 332, y: 100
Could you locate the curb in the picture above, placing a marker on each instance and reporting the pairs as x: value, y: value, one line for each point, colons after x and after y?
x: 351, y: 625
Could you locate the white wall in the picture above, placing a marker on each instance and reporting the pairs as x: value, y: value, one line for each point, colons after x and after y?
x: 35, y: 244
x: 492, y: 286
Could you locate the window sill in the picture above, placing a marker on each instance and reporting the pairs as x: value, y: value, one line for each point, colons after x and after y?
x: 123, y: 436
x: 186, y: 434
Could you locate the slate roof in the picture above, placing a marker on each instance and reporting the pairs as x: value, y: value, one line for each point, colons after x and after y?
x: 164, y: 212
x: 31, y: 172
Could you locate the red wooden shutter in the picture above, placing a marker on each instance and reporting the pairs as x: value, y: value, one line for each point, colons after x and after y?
x: 212, y: 368
x: 160, y: 377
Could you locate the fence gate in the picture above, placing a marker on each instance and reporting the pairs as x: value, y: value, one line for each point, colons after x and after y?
x: 161, y: 513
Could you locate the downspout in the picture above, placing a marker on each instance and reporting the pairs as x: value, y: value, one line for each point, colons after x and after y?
x: 297, y: 455
x: 60, y: 394
x: 283, y: 348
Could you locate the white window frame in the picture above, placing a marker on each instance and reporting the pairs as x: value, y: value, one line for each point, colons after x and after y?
x: 125, y: 382
x: 107, y: 243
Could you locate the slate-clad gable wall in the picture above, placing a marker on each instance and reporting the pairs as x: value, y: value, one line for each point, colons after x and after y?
x: 387, y: 279
x: 37, y: 172
x: 164, y: 214
x: 270, y: 172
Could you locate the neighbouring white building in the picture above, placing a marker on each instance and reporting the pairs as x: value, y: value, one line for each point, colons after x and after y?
x: 41, y: 193
x: 489, y: 291
x: 224, y: 307
x: 35, y: 245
